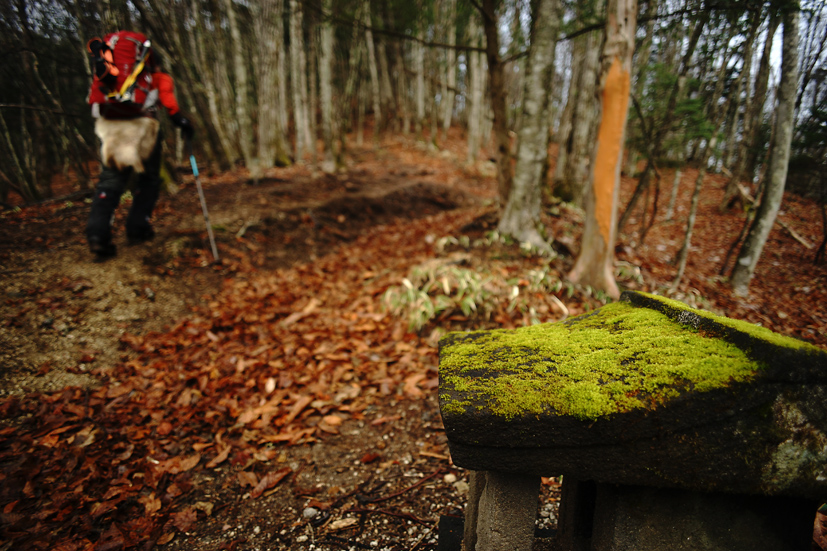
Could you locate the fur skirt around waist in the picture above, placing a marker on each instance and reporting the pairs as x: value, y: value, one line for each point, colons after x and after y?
x: 127, y: 143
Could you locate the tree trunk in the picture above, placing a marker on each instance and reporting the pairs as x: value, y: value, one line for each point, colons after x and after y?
x: 360, y: 116
x: 641, y: 67
x: 402, y: 90
x: 564, y: 127
x: 476, y: 84
x: 242, y: 99
x: 742, y: 81
x: 326, y: 88
x: 670, y: 209
x: 298, y: 81
x: 521, y: 216
x: 226, y: 105
x: 433, y: 138
x: 351, y: 86
x: 683, y: 253
x: 209, y: 79
x: 313, y: 94
x: 374, y: 73
x: 496, y: 86
x: 267, y: 25
x: 419, y: 67
x: 450, y: 67
x: 284, y: 95
x: 745, y: 166
x: 581, y: 141
x: 594, y: 266
x: 387, y: 89
x: 779, y: 162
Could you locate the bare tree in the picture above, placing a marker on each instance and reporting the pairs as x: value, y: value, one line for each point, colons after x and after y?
x: 745, y: 164
x: 374, y: 72
x: 521, y: 216
x: 496, y: 87
x: 450, y: 83
x: 779, y: 161
x: 268, y: 28
x: 476, y: 85
x: 326, y: 88
x: 242, y: 100
x: 298, y: 81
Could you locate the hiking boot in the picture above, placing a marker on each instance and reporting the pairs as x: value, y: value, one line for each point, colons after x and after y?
x: 102, y: 250
x: 141, y: 236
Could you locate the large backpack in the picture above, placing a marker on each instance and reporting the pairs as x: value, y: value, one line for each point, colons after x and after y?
x: 122, y: 72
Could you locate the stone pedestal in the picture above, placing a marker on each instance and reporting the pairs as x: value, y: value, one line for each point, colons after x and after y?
x: 606, y: 517
x: 501, y: 511
x: 674, y: 429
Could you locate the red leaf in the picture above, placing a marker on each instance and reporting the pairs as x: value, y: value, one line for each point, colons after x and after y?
x: 369, y: 457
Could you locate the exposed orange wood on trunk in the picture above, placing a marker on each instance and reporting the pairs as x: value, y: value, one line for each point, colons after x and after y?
x: 610, y: 144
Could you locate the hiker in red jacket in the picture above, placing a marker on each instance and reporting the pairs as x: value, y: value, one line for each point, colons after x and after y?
x: 126, y: 90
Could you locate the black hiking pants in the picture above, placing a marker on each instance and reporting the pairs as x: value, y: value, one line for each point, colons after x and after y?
x: 110, y: 187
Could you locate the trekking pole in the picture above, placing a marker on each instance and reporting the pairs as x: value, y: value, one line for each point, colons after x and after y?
x: 203, y: 204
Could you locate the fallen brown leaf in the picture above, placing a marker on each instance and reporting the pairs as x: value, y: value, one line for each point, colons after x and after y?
x: 184, y: 520
x: 269, y: 480
x: 220, y: 458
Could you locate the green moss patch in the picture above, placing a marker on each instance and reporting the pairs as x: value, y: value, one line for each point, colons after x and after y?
x: 617, y: 359
x: 680, y: 312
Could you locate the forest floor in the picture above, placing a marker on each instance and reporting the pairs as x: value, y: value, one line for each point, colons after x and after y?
x: 277, y: 399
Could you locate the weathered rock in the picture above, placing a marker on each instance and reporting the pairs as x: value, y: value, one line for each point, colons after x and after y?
x: 646, y: 391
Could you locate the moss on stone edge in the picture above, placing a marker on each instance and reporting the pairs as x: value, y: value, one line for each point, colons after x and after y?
x: 619, y: 358
x: 679, y: 311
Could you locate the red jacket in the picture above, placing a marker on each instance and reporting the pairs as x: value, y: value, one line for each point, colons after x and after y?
x: 161, y: 82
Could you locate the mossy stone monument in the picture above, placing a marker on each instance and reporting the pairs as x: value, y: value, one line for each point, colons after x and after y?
x: 643, y: 397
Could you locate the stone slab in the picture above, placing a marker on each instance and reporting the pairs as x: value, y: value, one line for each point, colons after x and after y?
x: 645, y: 391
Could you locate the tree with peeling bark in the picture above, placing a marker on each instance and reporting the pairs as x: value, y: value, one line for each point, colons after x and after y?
x: 780, y: 157
x: 521, y: 216
x: 595, y: 264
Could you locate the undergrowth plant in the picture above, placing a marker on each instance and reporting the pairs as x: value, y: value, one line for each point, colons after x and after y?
x: 433, y: 289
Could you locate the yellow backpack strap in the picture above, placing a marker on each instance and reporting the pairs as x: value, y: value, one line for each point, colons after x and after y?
x: 137, y: 70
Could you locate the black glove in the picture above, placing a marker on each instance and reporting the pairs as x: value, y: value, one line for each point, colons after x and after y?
x: 184, y: 124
